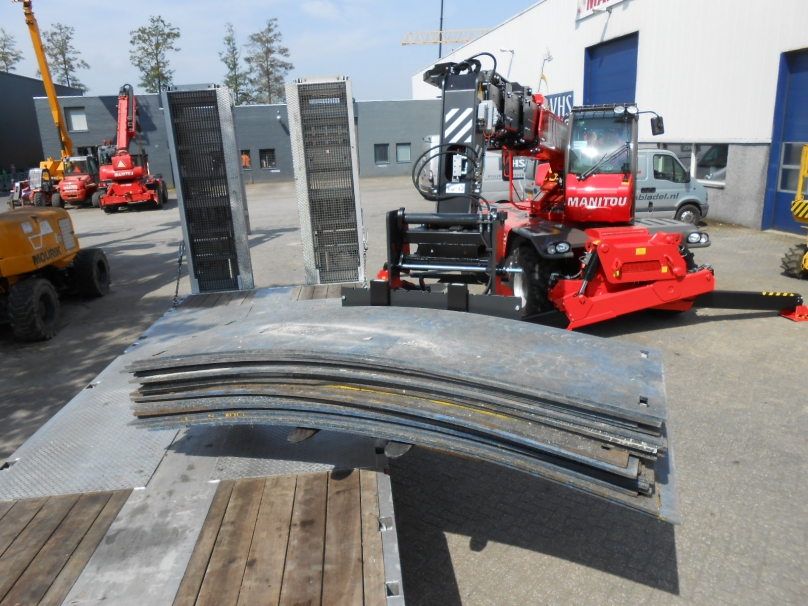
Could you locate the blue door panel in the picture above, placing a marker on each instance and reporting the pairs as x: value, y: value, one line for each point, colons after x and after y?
x: 610, y: 72
x: 794, y: 128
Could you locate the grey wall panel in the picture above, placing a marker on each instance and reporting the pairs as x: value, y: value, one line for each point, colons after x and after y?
x: 740, y: 200
x: 392, y: 122
x: 259, y: 128
x: 20, y: 143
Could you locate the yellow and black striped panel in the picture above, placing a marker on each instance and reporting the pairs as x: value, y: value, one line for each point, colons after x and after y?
x: 779, y: 294
x: 799, y: 208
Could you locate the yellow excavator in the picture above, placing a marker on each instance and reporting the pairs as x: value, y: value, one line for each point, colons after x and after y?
x: 41, y: 187
x: 795, y: 261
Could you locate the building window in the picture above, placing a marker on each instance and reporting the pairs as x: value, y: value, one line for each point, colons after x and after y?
x: 711, y: 162
x: 246, y: 159
x: 707, y: 162
x: 403, y: 152
x: 76, y: 119
x: 790, y: 168
x: 267, y: 158
x: 381, y: 152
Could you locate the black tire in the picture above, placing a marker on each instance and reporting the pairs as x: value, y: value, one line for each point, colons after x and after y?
x: 96, y: 199
x: 33, y: 310
x: 689, y: 213
x: 792, y: 262
x: 533, y: 283
x: 39, y: 199
x: 91, y: 272
x: 158, y: 202
x: 56, y: 201
x: 111, y: 209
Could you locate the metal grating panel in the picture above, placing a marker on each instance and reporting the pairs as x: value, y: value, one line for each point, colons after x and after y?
x: 210, y: 188
x: 326, y: 170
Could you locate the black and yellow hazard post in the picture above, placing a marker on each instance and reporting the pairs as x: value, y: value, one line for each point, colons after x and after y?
x: 795, y: 261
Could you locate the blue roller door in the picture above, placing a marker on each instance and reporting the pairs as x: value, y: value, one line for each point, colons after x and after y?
x: 790, y: 133
x: 610, y: 73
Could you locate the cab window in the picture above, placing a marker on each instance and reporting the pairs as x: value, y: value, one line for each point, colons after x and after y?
x: 667, y: 168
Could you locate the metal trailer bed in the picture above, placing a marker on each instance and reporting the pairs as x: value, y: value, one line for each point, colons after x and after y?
x: 92, y: 508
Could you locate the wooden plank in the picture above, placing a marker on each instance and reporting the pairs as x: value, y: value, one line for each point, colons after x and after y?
x: 295, y: 294
x: 238, y: 297
x: 32, y: 585
x: 224, y: 299
x: 342, y: 568
x: 16, y: 519
x: 70, y: 572
x: 306, y: 293
x: 211, y: 299
x: 320, y: 292
x: 195, y: 572
x: 264, y: 574
x: 28, y: 543
x: 4, y: 507
x: 303, y: 576
x: 229, y: 559
x: 248, y: 299
x: 372, y: 556
x: 334, y: 291
x: 194, y: 301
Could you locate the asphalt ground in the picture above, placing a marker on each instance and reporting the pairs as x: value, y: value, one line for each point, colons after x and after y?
x: 473, y: 533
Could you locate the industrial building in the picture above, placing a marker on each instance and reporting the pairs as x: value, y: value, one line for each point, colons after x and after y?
x: 729, y: 78
x: 20, y: 145
x: 390, y: 133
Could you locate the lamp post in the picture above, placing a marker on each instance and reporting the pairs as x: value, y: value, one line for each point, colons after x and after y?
x: 510, y: 63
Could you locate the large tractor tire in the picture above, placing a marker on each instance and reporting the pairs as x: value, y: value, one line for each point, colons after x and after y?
x: 91, y: 272
x: 793, y: 263
x: 96, y: 199
x: 111, y: 209
x: 39, y: 199
x: 33, y: 310
x: 56, y: 201
x: 158, y: 198
x: 533, y: 283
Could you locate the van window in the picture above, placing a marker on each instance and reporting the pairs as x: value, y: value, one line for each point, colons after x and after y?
x: 667, y: 168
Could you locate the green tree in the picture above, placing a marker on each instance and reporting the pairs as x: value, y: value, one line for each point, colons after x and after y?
x: 150, y: 46
x: 267, y: 67
x: 235, y: 79
x: 9, y: 55
x: 63, y: 58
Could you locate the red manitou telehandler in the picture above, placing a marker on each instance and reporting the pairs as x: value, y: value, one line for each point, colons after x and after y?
x: 572, y: 253
x: 128, y: 176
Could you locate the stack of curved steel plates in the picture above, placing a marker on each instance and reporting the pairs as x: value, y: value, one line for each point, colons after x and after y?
x: 587, y: 412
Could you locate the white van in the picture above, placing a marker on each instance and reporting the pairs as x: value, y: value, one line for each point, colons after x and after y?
x: 664, y: 187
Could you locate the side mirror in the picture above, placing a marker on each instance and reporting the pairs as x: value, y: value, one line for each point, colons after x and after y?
x: 687, y: 178
x: 657, y: 126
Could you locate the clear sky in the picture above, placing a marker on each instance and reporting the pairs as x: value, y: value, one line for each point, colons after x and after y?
x: 358, y: 38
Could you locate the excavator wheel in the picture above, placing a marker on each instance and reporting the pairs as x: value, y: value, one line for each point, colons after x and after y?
x: 793, y: 262
x: 39, y: 199
x: 533, y: 283
x: 91, y: 270
x: 34, y: 310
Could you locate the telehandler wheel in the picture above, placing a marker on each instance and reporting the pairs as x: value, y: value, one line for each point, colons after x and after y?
x: 34, y: 310
x: 39, y: 199
x: 56, y: 201
x: 689, y: 213
x: 792, y: 262
x: 111, y: 209
x: 96, y: 199
x: 91, y: 270
x: 533, y: 283
x: 158, y: 199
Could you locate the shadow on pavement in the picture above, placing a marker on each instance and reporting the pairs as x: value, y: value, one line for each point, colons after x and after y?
x: 436, y: 494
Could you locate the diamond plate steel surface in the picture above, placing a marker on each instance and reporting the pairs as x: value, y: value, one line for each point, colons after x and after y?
x: 90, y: 445
x: 262, y: 450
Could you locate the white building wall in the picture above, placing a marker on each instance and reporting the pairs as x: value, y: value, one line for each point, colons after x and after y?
x: 710, y: 67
